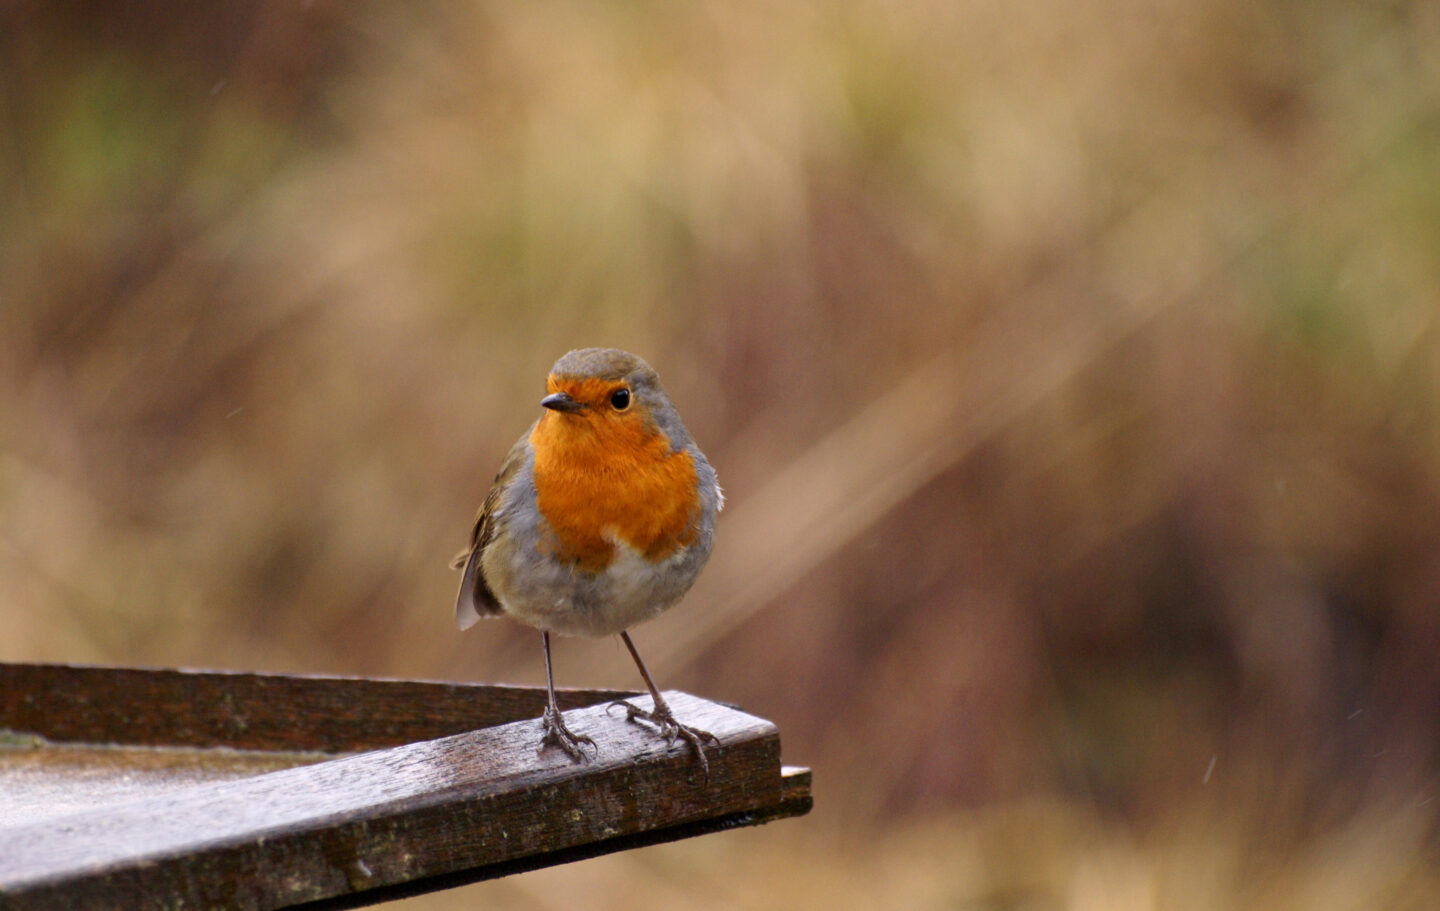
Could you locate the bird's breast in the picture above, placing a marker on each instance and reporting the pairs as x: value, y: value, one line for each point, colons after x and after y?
x: 623, y: 486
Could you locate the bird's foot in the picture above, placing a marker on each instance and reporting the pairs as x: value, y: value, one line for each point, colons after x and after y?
x: 562, y: 738
x: 672, y: 730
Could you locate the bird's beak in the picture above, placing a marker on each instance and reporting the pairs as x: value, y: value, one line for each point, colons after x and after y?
x: 559, y: 401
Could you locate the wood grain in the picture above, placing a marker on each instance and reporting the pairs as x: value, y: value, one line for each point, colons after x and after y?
x: 152, y: 707
x: 371, y: 826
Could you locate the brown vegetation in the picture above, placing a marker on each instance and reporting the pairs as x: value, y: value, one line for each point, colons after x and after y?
x: 1072, y: 370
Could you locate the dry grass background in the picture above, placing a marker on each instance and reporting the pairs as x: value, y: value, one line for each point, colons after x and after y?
x: 1071, y: 369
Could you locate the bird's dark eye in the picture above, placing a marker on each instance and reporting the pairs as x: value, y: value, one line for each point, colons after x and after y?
x: 620, y: 399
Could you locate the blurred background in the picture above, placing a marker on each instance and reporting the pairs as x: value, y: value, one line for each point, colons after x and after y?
x: 1072, y: 369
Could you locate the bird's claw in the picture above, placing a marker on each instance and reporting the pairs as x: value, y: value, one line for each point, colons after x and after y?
x: 672, y: 730
x: 562, y: 738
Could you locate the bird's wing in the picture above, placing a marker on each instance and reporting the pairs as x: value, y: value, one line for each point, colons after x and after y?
x: 475, y: 599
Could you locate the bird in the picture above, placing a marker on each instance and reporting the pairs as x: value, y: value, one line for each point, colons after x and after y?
x: 600, y: 518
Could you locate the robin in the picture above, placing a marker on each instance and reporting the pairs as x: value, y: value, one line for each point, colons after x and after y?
x: 601, y: 517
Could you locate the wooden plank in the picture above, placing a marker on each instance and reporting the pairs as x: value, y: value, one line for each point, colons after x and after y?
x: 465, y: 805
x: 76, y: 703
x: 188, y: 812
x: 795, y: 801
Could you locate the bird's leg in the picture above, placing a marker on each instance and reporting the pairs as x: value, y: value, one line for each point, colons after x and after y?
x: 556, y: 733
x: 662, y: 717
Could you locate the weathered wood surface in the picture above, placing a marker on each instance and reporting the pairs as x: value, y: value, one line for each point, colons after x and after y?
x: 245, y: 711
x: 351, y: 830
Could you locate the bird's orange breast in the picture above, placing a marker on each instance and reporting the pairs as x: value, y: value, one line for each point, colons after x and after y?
x: 605, y: 478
